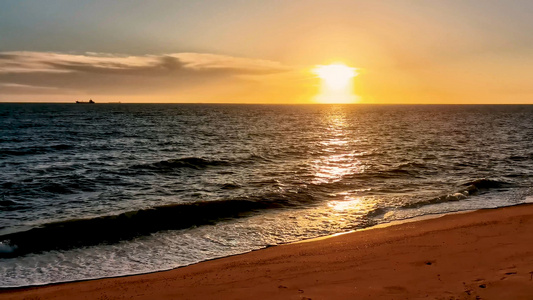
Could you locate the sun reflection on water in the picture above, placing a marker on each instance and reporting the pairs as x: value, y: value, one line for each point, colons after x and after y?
x: 352, y: 205
x: 340, y: 158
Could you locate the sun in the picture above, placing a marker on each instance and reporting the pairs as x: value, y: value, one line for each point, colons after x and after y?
x: 337, y: 83
x: 335, y: 76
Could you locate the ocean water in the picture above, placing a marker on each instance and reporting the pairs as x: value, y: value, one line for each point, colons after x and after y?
x: 91, y: 191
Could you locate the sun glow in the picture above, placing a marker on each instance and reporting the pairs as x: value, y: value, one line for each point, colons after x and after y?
x: 337, y: 83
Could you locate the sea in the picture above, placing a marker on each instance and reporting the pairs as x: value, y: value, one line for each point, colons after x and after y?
x: 101, y: 190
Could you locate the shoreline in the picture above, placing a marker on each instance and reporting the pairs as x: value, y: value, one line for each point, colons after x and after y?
x: 308, y: 240
x: 341, y: 260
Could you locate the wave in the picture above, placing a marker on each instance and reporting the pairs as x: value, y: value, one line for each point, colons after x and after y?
x: 468, y: 189
x: 404, y: 170
x: 10, y: 205
x: 230, y: 186
x: 180, y: 163
x: 410, y: 168
x: 199, y: 163
x: 5, y: 203
x: 114, y: 228
x: 34, y: 150
x: 485, y: 184
x: 43, y: 187
x: 525, y: 157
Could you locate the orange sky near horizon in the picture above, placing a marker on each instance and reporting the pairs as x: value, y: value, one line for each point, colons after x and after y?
x: 409, y: 52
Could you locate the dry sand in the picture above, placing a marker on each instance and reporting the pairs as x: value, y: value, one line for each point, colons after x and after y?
x: 486, y: 254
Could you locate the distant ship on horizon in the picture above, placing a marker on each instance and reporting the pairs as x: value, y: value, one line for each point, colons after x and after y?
x: 82, y: 102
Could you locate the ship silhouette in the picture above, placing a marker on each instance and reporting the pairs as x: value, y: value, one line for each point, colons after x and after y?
x: 82, y: 102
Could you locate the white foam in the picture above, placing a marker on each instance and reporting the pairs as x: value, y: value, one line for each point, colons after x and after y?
x: 529, y: 199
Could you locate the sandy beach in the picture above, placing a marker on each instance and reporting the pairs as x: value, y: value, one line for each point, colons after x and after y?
x: 486, y: 254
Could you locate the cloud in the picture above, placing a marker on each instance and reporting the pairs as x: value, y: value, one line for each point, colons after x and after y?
x: 25, y: 62
x: 202, y: 61
x: 24, y: 86
x: 103, y: 73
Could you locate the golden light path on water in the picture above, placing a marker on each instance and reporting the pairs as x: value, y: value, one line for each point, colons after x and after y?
x: 341, y: 160
x: 345, y: 207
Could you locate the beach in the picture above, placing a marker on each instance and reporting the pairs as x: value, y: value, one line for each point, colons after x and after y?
x: 266, y: 150
x: 485, y: 254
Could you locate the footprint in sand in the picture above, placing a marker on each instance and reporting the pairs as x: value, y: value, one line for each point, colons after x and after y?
x: 507, y: 273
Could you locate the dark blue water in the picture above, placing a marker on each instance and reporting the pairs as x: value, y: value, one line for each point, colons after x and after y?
x: 100, y: 190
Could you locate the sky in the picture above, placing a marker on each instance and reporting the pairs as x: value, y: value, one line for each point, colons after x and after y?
x: 248, y: 51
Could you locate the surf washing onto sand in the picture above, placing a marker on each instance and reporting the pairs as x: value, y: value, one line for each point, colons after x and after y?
x: 92, y: 191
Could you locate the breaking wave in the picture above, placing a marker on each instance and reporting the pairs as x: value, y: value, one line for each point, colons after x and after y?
x: 468, y: 189
x: 110, y: 229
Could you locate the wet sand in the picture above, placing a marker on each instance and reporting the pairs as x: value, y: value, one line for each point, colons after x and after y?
x: 486, y: 254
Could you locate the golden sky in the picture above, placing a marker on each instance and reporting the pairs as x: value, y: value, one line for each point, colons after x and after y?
x: 265, y: 51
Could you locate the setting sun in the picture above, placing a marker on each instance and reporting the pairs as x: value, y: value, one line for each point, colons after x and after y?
x: 336, y: 76
x: 337, y: 83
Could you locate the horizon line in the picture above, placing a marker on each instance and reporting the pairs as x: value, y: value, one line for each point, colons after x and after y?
x: 260, y: 103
